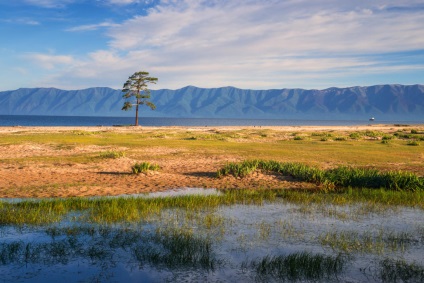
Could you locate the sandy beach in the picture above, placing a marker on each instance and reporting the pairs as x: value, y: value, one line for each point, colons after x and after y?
x: 26, y: 169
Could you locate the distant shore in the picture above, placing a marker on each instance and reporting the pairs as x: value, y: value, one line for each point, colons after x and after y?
x: 52, y: 129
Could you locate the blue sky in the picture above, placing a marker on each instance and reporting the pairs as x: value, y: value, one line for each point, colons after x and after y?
x: 257, y: 44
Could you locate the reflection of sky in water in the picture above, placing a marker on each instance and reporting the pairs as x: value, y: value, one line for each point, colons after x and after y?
x: 247, y: 233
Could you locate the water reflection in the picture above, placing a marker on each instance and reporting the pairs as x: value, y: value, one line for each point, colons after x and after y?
x: 275, y: 241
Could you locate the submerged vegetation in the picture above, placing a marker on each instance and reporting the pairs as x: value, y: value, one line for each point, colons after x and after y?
x: 400, y: 271
x: 299, y: 266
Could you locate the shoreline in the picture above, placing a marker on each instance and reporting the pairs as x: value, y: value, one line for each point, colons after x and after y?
x: 302, y: 128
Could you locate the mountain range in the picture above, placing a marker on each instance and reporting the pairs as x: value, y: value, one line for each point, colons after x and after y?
x: 406, y: 101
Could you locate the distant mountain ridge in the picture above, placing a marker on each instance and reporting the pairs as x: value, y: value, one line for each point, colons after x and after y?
x: 224, y: 102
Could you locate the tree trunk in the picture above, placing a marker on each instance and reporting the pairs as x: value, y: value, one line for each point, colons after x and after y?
x: 136, y: 115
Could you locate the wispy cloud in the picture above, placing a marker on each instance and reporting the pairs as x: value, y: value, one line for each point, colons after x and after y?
x: 21, y: 21
x: 49, y: 3
x: 49, y: 61
x: 92, y: 27
x: 253, y: 44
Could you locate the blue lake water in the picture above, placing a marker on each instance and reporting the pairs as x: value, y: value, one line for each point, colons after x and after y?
x: 21, y: 120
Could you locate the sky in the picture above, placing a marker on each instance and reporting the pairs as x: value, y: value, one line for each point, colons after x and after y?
x: 249, y: 44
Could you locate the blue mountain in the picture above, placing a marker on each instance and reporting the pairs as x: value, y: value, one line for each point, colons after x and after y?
x: 224, y: 102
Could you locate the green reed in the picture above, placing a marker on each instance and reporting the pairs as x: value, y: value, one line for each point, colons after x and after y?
x: 144, y: 167
x: 400, y: 271
x: 299, y: 266
x: 120, y: 209
x: 129, y: 209
x: 341, y: 177
x: 171, y: 248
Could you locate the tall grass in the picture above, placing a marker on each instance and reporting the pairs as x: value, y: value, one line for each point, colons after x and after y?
x: 400, y: 271
x: 144, y: 167
x: 169, y: 248
x: 300, y: 266
x: 342, y: 177
x: 113, y: 210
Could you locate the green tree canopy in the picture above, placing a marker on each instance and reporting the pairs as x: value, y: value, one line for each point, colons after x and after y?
x: 137, y: 93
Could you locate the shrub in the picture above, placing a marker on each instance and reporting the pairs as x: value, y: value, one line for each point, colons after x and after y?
x: 112, y: 154
x: 373, y: 134
x: 387, y: 137
x: 413, y: 143
x: 355, y: 136
x: 144, y: 167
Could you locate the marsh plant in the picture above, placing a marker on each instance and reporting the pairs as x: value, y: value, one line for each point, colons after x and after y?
x: 400, y: 271
x: 144, y: 167
x: 343, y: 176
x: 299, y: 266
x: 113, y: 210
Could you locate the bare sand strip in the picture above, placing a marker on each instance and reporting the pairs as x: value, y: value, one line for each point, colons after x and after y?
x: 53, y: 129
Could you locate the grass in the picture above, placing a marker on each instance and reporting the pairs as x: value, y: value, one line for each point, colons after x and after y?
x: 400, y: 271
x: 112, y: 154
x: 144, y: 167
x: 338, y: 177
x: 243, y: 144
x: 299, y: 266
x: 413, y: 143
x: 114, y: 210
x: 378, y: 242
x: 169, y: 248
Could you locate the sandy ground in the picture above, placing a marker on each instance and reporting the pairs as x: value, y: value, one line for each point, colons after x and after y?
x: 377, y: 127
x: 32, y: 178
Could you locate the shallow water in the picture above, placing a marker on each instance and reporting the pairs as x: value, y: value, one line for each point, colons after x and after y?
x: 222, y: 244
x: 169, y: 193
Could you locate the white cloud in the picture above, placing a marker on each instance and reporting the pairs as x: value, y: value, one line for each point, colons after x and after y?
x: 251, y: 44
x: 122, y: 2
x: 22, y: 21
x: 49, y: 3
x: 49, y: 61
x: 92, y: 27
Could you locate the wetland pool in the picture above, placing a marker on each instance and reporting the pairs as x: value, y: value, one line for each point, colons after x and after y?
x: 271, y: 241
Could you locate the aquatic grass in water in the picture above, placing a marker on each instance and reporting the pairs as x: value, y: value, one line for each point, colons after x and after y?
x: 299, y: 266
x: 400, y: 271
x: 171, y: 248
x: 213, y: 240
x: 125, y: 209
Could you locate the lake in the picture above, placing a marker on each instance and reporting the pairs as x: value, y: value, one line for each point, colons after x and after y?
x: 17, y: 120
x: 249, y: 241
